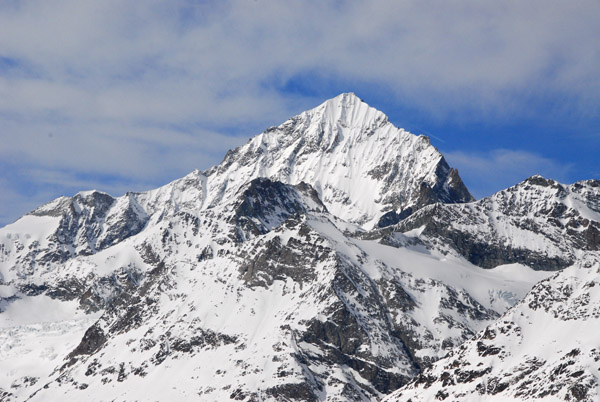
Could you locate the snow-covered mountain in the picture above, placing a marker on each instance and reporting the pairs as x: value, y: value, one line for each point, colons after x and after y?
x: 366, y: 171
x: 269, y: 289
x: 311, y: 264
x: 545, y: 348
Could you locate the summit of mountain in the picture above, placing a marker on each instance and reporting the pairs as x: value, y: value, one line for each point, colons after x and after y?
x: 365, y: 170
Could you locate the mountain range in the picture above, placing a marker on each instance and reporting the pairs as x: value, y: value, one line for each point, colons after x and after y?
x: 333, y: 257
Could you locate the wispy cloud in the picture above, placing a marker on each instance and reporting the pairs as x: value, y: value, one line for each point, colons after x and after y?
x: 208, y: 61
x: 487, y: 172
x: 150, y: 91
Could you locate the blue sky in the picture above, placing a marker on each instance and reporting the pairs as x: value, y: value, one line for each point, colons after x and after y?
x: 120, y: 95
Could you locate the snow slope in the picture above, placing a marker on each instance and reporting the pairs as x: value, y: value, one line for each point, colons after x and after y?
x: 544, y: 348
x: 360, y: 164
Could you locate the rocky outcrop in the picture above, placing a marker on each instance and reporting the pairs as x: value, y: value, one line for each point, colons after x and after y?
x: 90, y: 222
x: 263, y: 205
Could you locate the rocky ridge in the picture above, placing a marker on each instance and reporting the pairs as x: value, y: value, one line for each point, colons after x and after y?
x: 539, y: 223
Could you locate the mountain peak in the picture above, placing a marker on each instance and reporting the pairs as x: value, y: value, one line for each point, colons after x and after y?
x: 348, y: 95
x: 361, y: 165
x: 540, y: 180
x: 347, y: 99
x: 254, y: 281
x: 346, y: 110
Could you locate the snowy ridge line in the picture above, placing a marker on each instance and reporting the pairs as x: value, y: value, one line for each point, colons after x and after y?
x: 538, y: 222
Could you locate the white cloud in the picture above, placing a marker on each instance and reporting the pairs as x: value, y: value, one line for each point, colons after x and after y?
x: 150, y: 91
x: 118, y: 60
x: 485, y: 173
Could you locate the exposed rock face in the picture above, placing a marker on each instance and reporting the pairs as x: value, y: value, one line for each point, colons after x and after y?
x: 92, y: 221
x: 539, y: 223
x: 265, y: 205
x: 546, y: 346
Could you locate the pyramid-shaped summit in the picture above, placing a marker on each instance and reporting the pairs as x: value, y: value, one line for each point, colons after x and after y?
x: 366, y: 170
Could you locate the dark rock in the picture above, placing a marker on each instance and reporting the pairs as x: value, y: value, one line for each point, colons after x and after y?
x: 392, y: 217
x: 293, y: 392
x: 265, y: 204
x: 276, y: 261
x: 92, y: 341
